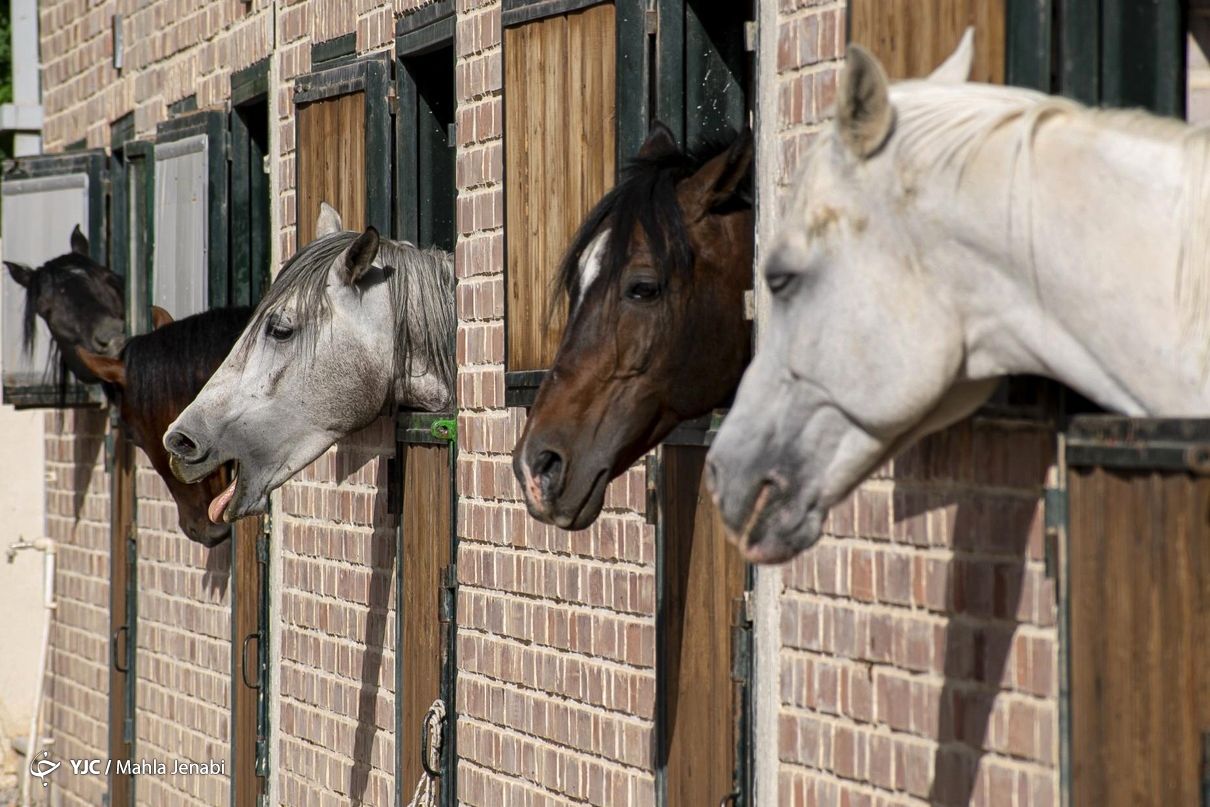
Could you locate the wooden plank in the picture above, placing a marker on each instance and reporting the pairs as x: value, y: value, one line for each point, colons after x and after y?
x: 245, y: 604
x: 1140, y: 664
x: 912, y: 37
x: 121, y: 518
x: 331, y: 162
x: 424, y: 553
x: 702, y: 576
x: 560, y: 131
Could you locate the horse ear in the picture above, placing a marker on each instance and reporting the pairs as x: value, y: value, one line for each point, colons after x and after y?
x: 660, y: 142
x: 717, y: 180
x: 79, y: 244
x: 20, y: 272
x: 864, y: 114
x: 159, y: 317
x: 106, y: 368
x: 957, y: 68
x: 328, y: 222
x: 358, y: 259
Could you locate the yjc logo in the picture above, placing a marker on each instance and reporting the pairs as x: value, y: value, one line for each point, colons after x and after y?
x: 42, y: 766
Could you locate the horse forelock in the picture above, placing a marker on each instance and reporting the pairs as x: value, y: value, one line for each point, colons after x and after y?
x: 644, y: 197
x: 421, y: 286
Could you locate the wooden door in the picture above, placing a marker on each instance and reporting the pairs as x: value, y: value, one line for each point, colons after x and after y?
x: 248, y: 641
x: 912, y: 37
x: 121, y: 615
x: 331, y: 161
x: 425, y: 602
x: 1139, y: 603
x: 700, y: 704
x: 559, y: 149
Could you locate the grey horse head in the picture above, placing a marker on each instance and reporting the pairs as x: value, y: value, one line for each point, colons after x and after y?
x: 354, y: 325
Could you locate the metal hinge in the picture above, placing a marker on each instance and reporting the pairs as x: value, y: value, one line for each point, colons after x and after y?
x: 392, y: 101
x: 750, y: 305
x: 652, y: 514
x: 652, y: 22
x: 750, y: 36
x: 741, y: 644
x: 447, y: 604
x: 1055, y: 505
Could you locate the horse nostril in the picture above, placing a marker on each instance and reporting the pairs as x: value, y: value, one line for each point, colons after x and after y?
x: 547, y: 469
x: 182, y: 445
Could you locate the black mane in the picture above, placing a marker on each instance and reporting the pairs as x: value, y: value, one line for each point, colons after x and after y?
x: 172, y: 363
x: 644, y: 196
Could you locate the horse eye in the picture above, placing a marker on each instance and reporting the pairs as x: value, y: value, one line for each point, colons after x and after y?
x: 278, y: 330
x: 643, y: 290
x: 779, y: 281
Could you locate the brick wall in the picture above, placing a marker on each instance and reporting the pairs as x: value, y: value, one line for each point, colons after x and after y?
x: 918, y: 660
x: 336, y: 617
x: 556, y: 639
x: 77, y: 518
x: 183, y: 655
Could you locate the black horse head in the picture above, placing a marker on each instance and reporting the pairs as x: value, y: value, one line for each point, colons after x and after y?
x: 80, y: 301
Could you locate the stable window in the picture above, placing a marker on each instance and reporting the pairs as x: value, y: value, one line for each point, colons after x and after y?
x: 189, y: 271
x: 343, y: 152
x: 575, y: 107
x: 42, y: 199
x: 1117, y: 53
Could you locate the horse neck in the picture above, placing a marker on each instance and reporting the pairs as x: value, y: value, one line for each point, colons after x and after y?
x: 1066, y: 264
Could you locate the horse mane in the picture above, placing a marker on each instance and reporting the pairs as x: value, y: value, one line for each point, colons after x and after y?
x: 645, y: 196
x: 941, y: 127
x: 171, y: 364
x: 421, y: 285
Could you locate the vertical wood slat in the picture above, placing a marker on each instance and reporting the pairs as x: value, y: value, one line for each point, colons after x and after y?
x: 1140, y: 636
x: 425, y: 551
x: 560, y: 130
x: 912, y: 37
x: 331, y: 162
x: 246, y: 579
x: 703, y: 575
x: 121, y: 515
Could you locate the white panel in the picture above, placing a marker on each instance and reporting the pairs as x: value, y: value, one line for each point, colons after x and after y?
x: 179, y: 277
x: 38, y: 217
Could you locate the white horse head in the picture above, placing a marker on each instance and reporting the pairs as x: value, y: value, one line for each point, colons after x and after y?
x: 354, y: 324
x: 946, y: 234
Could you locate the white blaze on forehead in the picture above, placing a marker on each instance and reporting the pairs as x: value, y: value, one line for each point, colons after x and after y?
x: 590, y: 263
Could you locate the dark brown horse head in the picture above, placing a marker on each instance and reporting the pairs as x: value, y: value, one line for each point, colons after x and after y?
x: 80, y: 301
x: 157, y: 375
x: 656, y: 333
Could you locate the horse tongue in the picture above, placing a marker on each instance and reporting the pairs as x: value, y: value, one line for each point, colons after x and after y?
x: 220, y: 503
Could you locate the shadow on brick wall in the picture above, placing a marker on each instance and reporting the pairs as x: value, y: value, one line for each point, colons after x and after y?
x: 383, y: 550
x: 217, y: 576
x: 980, y: 488
x: 89, y: 438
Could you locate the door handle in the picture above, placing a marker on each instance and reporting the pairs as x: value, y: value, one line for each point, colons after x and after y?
x: 113, y: 649
x: 243, y: 660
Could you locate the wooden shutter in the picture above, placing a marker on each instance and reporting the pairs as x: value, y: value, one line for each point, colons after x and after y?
x: 343, y: 146
x: 424, y: 662
x: 702, y: 578
x: 1138, y: 599
x: 560, y: 129
x: 912, y: 37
